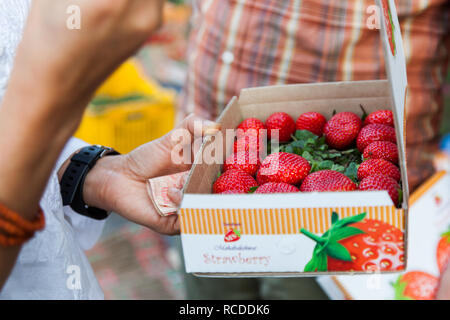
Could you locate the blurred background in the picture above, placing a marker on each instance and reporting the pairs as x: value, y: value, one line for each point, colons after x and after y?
x: 135, y: 105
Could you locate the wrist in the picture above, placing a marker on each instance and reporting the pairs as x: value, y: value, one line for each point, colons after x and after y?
x: 97, y: 183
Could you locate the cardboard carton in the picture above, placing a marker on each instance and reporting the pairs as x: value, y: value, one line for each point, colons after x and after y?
x: 265, y: 228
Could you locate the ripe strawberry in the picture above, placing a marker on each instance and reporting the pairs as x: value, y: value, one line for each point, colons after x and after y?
x: 342, y: 129
x: 382, y: 150
x: 232, y: 235
x: 385, y: 117
x: 381, y: 182
x: 245, y: 161
x: 416, y: 285
x: 284, y: 123
x: 443, y: 251
x: 236, y: 180
x: 374, y: 132
x: 357, y: 244
x: 252, y: 126
x: 378, y: 166
x: 251, y: 123
x: 327, y: 180
x: 247, y: 143
x: 311, y: 121
x: 276, y: 187
x: 283, y: 167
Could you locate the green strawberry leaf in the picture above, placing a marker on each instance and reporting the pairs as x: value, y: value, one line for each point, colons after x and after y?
x: 349, y: 220
x: 318, y: 262
x: 352, y: 171
x: 298, y: 144
x: 311, y: 266
x: 289, y: 149
x: 334, y: 217
x: 399, y: 289
x: 322, y: 262
x: 253, y: 189
x: 237, y: 232
x: 338, y: 168
x: 344, y: 233
x: 400, y: 196
x: 326, y: 165
x: 307, y: 156
x: 305, y: 135
x: 446, y: 235
x: 338, y: 251
x: 334, y: 154
x: 365, y: 114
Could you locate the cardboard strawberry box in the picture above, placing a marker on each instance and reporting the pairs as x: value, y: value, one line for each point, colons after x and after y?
x: 253, y: 235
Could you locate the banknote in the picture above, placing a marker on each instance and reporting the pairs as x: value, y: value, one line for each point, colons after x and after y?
x: 158, y: 191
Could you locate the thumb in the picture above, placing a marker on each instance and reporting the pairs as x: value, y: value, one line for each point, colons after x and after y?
x: 175, y: 195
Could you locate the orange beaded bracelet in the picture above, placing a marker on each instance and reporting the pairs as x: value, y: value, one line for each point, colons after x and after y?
x: 15, y: 230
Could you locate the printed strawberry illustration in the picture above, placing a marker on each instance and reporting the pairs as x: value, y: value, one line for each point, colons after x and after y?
x: 443, y: 250
x: 283, y: 167
x: 327, y: 180
x: 382, y: 150
x: 236, y: 180
x: 378, y: 166
x: 276, y: 187
x: 245, y: 161
x: 385, y: 117
x: 389, y: 23
x: 342, y: 129
x: 311, y: 121
x: 375, y: 132
x: 382, y: 182
x: 232, y: 235
x: 357, y: 244
x: 416, y: 285
x: 282, y: 122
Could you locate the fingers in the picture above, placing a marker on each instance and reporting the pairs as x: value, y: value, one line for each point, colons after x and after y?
x: 443, y: 292
x: 198, y: 126
x: 175, y: 194
x: 169, y: 225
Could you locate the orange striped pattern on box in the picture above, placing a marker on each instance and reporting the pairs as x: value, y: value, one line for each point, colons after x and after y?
x: 278, y: 221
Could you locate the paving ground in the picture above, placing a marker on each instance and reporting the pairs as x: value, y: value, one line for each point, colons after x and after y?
x: 132, y: 262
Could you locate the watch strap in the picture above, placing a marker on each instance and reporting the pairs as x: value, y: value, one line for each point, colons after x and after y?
x: 73, y: 180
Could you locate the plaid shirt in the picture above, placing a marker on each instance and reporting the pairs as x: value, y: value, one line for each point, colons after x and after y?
x: 237, y: 44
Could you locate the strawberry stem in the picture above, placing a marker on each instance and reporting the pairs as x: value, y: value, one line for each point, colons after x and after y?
x: 312, y: 236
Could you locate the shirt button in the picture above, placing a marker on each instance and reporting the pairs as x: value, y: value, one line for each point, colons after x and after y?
x: 227, y: 57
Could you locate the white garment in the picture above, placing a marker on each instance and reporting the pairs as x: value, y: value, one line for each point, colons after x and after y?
x: 52, y: 265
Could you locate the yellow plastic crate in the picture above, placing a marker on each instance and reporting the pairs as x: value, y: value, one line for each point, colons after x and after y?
x: 125, y: 127
x: 128, y: 110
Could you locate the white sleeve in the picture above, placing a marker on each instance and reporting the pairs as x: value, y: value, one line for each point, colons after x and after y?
x: 87, y: 230
x: 13, y: 15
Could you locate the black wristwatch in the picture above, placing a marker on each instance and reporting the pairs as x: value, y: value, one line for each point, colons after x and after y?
x: 73, y: 180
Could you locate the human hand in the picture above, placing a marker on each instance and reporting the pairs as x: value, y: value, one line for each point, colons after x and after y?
x: 119, y: 183
x: 71, y: 64
x: 443, y: 292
